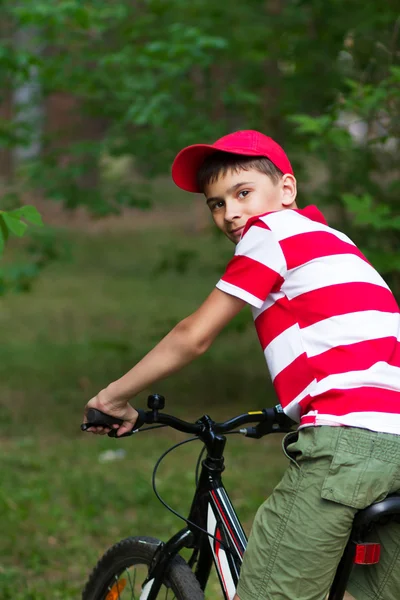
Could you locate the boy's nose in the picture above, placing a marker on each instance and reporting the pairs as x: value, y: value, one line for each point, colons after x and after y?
x: 232, y: 212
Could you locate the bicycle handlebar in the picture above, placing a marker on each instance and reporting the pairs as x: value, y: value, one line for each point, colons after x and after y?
x: 268, y: 419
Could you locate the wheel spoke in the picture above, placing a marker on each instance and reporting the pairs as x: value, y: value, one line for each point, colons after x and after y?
x: 168, y: 590
x: 132, y: 586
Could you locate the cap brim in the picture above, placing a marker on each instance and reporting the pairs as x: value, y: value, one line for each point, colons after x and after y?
x: 186, y: 165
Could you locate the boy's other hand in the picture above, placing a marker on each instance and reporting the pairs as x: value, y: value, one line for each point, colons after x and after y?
x: 115, y: 408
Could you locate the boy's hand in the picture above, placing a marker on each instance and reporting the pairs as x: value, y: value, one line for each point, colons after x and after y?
x: 120, y: 409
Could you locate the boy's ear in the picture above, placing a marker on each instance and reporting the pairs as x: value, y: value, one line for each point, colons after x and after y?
x: 289, y: 189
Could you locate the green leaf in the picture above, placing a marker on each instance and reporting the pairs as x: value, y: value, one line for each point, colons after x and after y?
x: 29, y: 213
x: 14, y: 225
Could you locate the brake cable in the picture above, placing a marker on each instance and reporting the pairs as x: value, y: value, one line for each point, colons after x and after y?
x: 148, y: 428
x: 196, y: 477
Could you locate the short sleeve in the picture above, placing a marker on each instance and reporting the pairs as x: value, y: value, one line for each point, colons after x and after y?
x: 258, y: 267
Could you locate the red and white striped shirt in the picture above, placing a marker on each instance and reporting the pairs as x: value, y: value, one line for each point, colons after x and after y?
x: 328, y: 323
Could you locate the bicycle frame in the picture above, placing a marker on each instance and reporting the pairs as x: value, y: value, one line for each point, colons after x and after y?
x: 221, y: 539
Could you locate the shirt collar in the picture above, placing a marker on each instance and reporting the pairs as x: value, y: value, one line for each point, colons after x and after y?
x: 310, y: 212
x: 313, y: 213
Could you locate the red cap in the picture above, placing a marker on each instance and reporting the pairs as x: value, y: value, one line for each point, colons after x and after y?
x: 246, y: 143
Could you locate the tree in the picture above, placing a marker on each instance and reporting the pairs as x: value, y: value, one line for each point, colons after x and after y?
x: 357, y: 140
x: 146, y: 78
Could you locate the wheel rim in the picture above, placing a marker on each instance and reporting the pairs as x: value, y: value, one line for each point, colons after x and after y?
x: 128, y: 585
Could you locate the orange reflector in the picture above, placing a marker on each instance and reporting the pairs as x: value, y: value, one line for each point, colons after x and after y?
x: 116, y: 590
x: 367, y: 554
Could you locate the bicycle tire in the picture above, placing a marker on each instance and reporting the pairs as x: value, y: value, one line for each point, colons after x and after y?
x: 140, y: 551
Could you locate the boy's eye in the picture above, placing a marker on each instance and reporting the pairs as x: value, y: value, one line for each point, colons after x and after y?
x: 216, y: 205
x: 243, y: 193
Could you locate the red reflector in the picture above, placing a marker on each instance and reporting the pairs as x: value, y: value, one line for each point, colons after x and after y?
x: 367, y: 554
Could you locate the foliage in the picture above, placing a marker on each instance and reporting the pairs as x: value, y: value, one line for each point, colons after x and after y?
x: 143, y: 70
x: 149, y: 77
x: 40, y: 249
x: 126, y: 66
x: 13, y: 223
x: 363, y: 181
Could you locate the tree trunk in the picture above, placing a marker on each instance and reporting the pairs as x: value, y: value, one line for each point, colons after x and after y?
x: 27, y: 98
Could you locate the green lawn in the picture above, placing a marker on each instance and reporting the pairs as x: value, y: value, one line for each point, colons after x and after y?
x: 86, y: 321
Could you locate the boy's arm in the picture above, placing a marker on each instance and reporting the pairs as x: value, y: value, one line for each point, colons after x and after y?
x: 186, y: 341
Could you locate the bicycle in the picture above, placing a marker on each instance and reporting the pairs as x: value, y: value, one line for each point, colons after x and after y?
x: 213, y: 532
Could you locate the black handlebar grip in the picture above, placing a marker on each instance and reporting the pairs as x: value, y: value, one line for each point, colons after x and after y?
x: 96, y: 418
x: 142, y: 418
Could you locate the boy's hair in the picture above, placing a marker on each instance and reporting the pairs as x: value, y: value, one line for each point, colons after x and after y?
x: 219, y: 163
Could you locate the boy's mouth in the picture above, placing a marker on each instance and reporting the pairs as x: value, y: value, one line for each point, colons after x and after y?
x: 238, y: 231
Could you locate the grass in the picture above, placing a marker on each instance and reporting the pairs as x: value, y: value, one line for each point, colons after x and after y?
x: 87, y: 321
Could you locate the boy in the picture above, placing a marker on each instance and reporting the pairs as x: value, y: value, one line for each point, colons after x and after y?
x: 330, y: 331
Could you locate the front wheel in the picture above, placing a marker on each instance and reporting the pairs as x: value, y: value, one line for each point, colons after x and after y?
x: 120, y: 573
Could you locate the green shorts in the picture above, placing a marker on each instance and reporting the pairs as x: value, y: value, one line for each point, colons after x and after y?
x: 300, y: 532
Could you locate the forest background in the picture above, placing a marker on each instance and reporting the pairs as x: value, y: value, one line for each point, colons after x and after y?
x: 96, y: 98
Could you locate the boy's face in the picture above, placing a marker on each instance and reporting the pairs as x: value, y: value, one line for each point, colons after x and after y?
x: 235, y: 197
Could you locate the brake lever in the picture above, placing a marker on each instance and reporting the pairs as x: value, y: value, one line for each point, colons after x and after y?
x: 258, y: 431
x: 280, y: 423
